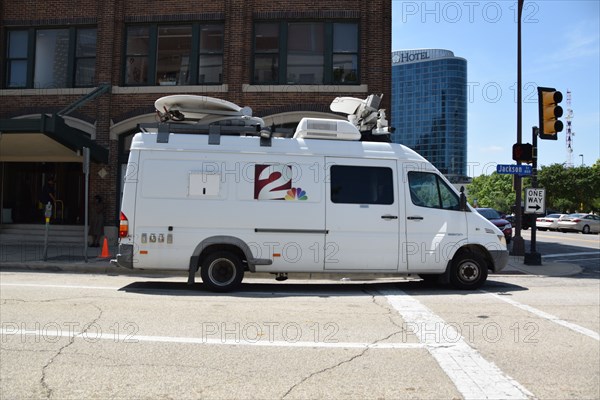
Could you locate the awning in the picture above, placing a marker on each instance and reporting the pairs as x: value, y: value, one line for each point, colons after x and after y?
x: 27, y: 139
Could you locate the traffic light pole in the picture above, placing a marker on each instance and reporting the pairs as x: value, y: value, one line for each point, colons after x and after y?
x: 533, y: 257
x: 518, y: 247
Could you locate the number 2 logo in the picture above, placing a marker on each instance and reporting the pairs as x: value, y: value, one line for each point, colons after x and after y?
x: 271, y: 182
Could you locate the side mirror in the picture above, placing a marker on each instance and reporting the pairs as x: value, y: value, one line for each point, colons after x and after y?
x: 463, y: 199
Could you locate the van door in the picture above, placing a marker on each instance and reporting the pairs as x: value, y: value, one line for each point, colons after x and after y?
x: 435, y: 226
x: 361, y: 214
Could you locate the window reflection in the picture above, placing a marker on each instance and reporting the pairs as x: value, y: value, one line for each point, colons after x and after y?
x: 305, y: 58
x: 51, y: 56
x: 17, y: 59
x: 138, y: 41
x: 173, y: 55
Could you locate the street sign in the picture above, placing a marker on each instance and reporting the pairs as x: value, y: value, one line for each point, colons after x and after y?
x: 514, y: 169
x: 535, y: 201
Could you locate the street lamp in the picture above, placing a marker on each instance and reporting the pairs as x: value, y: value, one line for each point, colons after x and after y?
x: 581, y: 155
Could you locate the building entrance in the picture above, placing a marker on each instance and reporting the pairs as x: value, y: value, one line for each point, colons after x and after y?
x: 24, y: 186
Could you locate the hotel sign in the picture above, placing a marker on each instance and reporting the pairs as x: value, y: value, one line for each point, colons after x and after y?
x: 410, y: 57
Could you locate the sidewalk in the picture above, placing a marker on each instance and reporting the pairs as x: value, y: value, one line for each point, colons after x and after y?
x: 59, y: 258
x: 69, y: 258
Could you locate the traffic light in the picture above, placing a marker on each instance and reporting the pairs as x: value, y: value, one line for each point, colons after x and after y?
x: 550, y: 112
x: 522, y: 152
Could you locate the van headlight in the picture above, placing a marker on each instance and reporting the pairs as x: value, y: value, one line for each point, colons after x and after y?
x: 502, y: 239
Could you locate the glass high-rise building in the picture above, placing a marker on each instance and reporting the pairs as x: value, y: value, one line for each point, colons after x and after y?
x: 429, y: 107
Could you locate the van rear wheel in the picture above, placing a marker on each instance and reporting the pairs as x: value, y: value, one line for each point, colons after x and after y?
x: 468, y: 270
x: 222, y: 271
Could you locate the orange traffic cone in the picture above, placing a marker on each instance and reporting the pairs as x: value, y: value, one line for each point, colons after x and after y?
x: 104, y: 253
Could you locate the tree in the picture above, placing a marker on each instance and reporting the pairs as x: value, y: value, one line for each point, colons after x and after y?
x: 571, y: 189
x: 493, y: 191
x: 567, y: 189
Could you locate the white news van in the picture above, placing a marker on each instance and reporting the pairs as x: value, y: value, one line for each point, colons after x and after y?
x: 227, y: 198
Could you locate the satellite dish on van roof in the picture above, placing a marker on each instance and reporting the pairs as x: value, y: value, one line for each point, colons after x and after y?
x: 184, y: 107
x: 345, y: 105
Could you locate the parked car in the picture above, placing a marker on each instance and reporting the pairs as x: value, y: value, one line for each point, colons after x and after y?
x: 584, y: 223
x: 494, y: 217
x: 548, y: 222
x: 527, y: 219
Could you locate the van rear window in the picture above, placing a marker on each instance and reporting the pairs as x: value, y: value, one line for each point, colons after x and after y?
x: 361, y: 185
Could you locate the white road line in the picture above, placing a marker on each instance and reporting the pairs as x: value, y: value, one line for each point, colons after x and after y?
x: 129, y: 339
x: 570, y: 260
x: 59, y: 286
x: 549, y: 317
x: 473, y: 376
x: 583, y: 253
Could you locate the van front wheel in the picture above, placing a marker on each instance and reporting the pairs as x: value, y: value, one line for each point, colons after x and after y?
x: 468, y: 271
x: 222, y: 271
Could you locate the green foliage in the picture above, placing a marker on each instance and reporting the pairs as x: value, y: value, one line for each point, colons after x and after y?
x: 494, y: 191
x: 567, y: 189
x: 571, y: 189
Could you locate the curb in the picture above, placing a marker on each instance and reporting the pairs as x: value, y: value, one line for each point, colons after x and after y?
x: 548, y: 269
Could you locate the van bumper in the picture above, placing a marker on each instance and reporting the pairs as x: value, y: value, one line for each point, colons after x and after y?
x: 125, y: 256
x: 500, y: 259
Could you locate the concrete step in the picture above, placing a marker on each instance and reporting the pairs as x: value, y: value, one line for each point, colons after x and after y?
x: 34, y: 233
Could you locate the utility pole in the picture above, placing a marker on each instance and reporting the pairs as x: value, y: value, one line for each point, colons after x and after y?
x: 533, y: 257
x: 518, y: 248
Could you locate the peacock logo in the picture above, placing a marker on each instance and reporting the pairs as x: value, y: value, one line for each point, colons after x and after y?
x: 296, y: 194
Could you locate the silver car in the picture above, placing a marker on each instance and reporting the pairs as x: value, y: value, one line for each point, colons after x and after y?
x: 584, y: 223
x: 548, y: 222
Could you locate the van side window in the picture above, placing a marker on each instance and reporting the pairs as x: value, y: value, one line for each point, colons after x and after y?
x: 429, y: 190
x: 361, y: 185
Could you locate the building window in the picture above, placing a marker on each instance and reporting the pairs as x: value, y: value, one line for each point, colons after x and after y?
x: 16, y: 59
x: 136, y: 58
x: 210, y: 59
x: 345, y: 53
x: 361, y: 185
x: 306, y: 53
x: 174, y: 54
x: 51, y: 58
x: 266, y: 53
x: 85, y: 57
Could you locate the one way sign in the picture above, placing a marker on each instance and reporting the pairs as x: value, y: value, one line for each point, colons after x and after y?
x: 535, y: 201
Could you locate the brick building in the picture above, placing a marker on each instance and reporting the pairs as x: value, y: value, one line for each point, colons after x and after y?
x: 84, y: 73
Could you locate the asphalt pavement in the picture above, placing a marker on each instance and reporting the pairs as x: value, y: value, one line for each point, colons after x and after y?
x: 69, y: 258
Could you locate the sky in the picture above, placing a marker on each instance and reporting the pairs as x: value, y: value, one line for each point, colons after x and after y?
x: 560, y: 49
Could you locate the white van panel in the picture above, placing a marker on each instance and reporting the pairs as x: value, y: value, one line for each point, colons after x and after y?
x: 435, y: 227
x: 361, y: 215
x: 275, y: 207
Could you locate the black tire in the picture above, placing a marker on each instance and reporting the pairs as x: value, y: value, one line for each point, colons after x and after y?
x: 468, y: 270
x: 222, y: 271
x: 430, y: 278
x: 586, y: 229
